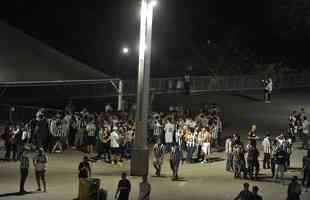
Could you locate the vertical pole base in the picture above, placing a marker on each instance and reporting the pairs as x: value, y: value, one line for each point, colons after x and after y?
x: 139, y: 165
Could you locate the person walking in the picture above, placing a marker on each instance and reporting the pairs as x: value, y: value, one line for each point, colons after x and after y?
x: 245, y: 194
x: 294, y: 189
x: 267, y: 151
x: 24, y: 170
x: 39, y: 162
x: 159, y: 153
x: 123, y: 188
x: 306, y: 170
x: 144, y: 189
x: 229, y: 154
x: 169, y: 134
x: 175, y: 160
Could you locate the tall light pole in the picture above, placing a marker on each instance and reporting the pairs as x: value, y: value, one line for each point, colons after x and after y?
x: 140, y: 154
x: 125, y: 51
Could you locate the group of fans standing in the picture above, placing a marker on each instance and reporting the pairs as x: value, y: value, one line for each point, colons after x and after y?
x: 244, y: 160
x: 105, y: 133
x: 184, y: 137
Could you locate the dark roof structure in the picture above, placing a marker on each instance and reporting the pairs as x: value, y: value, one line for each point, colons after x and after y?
x: 23, y: 59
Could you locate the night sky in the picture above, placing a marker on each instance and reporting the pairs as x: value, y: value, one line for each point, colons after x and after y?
x: 197, y: 33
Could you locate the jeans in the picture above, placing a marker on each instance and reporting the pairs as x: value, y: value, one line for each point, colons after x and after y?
x: 280, y: 168
x: 168, y: 147
x: 266, y: 161
x: 251, y: 165
x: 190, y: 152
x: 229, y: 162
x: 23, y: 178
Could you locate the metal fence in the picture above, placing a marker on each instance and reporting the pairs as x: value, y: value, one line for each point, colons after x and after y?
x: 221, y: 83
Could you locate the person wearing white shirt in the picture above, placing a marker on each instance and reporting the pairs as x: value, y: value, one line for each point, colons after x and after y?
x: 229, y: 154
x: 115, y: 145
x: 267, y: 151
x: 305, y: 132
x: 281, y: 140
x: 190, y: 145
x: 169, y: 134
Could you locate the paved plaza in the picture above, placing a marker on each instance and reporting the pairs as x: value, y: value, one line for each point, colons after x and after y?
x: 199, y: 181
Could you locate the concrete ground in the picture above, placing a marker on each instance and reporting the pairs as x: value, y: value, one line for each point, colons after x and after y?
x: 200, y: 181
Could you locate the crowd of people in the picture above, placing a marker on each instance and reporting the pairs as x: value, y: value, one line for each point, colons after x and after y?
x: 186, y: 137
x: 104, y: 134
x: 243, y: 160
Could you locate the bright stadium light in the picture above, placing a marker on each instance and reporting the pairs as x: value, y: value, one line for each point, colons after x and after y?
x: 153, y: 3
x: 125, y: 50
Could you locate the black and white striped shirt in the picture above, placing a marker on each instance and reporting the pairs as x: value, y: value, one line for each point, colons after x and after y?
x: 158, y: 129
x: 91, y: 130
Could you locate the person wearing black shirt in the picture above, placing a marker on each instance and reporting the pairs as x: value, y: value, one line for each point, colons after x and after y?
x: 245, y: 194
x: 256, y: 196
x: 294, y: 189
x: 252, y: 160
x: 84, y: 169
x: 123, y: 188
x: 306, y: 169
x: 8, y: 140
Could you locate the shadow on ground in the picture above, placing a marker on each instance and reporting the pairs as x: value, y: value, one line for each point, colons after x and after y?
x: 15, y: 194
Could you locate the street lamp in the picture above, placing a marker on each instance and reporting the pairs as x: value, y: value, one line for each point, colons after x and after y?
x: 125, y: 50
x: 140, y: 154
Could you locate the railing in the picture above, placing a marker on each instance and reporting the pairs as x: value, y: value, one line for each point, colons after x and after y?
x: 221, y: 83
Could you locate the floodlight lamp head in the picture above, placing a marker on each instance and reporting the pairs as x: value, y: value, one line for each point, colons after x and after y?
x: 153, y: 3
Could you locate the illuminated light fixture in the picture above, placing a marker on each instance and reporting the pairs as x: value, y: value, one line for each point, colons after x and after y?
x: 125, y: 50
x: 153, y: 3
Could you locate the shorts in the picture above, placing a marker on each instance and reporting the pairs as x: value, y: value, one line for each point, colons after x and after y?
x: 40, y: 174
x: 115, y: 151
x: 206, y: 148
x: 91, y: 140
